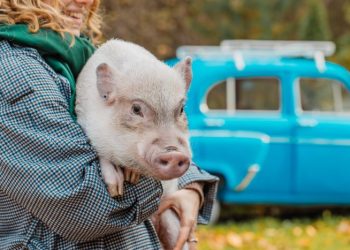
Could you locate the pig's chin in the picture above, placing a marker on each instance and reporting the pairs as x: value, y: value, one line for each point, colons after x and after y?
x: 162, y: 175
x: 166, y: 176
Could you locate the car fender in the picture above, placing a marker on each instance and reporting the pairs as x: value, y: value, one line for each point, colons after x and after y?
x: 235, y: 155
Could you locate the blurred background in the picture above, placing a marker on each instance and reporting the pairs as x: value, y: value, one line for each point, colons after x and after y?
x: 163, y: 25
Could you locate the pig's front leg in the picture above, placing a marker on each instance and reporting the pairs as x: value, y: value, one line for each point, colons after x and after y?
x: 113, y: 177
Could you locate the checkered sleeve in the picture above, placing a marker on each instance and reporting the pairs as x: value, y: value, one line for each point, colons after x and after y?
x: 210, y: 185
x: 47, y: 165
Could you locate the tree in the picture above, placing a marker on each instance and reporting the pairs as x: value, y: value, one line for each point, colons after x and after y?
x: 315, y: 25
x: 163, y: 25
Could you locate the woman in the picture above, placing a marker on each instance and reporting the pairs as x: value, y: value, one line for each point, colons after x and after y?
x: 51, y: 192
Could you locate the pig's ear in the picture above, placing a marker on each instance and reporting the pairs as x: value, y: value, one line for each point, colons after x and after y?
x: 185, y: 69
x: 105, y: 85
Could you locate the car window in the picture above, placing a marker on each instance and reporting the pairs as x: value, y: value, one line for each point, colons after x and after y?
x: 217, y: 97
x: 245, y: 94
x: 323, y: 95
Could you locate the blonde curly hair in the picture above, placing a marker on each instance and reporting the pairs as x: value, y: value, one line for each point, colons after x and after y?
x: 39, y: 14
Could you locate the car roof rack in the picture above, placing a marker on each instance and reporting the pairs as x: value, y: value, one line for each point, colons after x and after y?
x: 240, y: 49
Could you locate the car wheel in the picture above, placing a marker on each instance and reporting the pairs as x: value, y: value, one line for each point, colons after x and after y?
x: 215, y: 214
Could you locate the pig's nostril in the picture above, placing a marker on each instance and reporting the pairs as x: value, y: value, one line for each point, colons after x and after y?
x: 171, y: 148
x: 174, y: 161
x: 163, y: 162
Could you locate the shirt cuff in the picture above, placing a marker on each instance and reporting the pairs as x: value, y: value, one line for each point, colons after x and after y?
x: 198, y: 188
x: 210, y: 185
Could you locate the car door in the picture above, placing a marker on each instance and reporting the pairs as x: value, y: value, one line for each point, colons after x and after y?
x: 322, y: 139
x: 249, y: 106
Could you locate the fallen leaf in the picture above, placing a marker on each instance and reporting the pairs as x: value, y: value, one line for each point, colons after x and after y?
x: 311, y: 231
x: 234, y: 240
x: 270, y: 232
x: 304, y: 242
x: 344, y: 227
x: 297, y: 231
x: 248, y: 236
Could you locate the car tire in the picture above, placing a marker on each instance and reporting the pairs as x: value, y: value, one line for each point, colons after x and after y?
x: 215, y: 214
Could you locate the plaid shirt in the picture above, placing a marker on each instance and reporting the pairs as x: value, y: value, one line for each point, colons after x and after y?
x: 51, y: 192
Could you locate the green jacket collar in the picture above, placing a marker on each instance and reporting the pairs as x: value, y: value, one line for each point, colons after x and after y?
x: 57, y: 51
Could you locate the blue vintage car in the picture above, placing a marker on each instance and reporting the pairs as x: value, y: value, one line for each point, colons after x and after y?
x: 272, y: 119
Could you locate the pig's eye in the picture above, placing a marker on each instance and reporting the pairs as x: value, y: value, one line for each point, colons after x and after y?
x: 182, y: 110
x: 136, y: 109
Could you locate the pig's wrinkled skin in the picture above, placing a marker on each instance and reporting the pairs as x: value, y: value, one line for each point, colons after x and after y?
x: 130, y: 105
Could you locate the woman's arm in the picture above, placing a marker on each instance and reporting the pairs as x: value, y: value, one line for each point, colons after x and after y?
x: 48, y: 166
x: 209, y: 184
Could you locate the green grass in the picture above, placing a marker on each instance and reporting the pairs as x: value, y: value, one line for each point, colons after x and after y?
x: 328, y: 232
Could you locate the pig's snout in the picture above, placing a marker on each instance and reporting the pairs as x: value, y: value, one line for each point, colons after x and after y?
x: 172, y: 160
x: 171, y: 165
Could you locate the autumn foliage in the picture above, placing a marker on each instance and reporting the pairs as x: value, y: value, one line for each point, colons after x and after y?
x: 163, y: 25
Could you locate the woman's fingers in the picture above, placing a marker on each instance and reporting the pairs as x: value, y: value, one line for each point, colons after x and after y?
x: 187, y: 227
x: 165, y: 204
x: 192, y: 239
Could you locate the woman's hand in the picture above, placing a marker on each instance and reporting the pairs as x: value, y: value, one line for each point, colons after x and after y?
x: 186, y: 203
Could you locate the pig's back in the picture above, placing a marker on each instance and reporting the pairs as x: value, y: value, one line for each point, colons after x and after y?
x: 126, y: 57
x: 125, y: 50
x: 124, y: 54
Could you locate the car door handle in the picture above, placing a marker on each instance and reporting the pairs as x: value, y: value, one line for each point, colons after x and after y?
x: 252, y: 171
x: 307, y: 123
x: 214, y: 122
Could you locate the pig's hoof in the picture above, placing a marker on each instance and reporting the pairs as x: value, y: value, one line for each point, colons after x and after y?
x: 115, y: 190
x: 135, y: 177
x: 131, y: 176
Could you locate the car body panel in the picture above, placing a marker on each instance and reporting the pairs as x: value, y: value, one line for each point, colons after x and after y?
x: 303, y: 157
